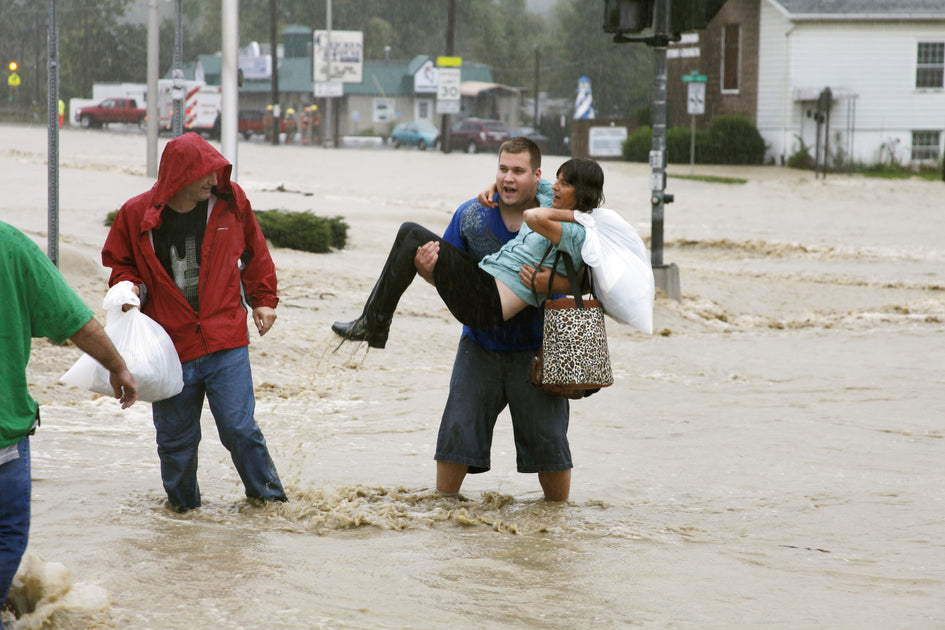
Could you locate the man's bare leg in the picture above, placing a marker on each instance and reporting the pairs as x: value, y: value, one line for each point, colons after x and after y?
x: 449, y: 477
x: 557, y: 485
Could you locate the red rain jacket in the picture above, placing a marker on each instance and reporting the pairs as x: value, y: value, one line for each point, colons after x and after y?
x: 232, y: 232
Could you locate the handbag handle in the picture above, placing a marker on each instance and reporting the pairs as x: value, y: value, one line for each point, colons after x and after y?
x: 572, y: 276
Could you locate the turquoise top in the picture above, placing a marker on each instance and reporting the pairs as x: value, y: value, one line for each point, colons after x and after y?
x: 528, y: 248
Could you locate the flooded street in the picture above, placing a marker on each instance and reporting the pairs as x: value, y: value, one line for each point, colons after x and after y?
x: 771, y: 456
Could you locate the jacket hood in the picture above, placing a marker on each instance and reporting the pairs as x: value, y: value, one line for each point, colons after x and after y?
x: 186, y: 159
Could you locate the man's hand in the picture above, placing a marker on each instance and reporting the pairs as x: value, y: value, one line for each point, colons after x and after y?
x: 425, y: 260
x: 124, y: 386
x: 536, y: 279
x: 264, y: 317
x: 94, y: 341
x: 128, y: 307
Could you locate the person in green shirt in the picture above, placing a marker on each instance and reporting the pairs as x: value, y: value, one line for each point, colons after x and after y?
x: 37, y: 303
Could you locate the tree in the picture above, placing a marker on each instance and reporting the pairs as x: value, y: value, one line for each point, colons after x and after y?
x: 620, y: 74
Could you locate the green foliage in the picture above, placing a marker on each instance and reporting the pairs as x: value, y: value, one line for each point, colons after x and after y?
x: 679, y: 144
x: 636, y: 148
x: 303, y: 230
x: 734, y: 140
x: 295, y: 230
x: 930, y: 172
x: 621, y: 74
x: 712, y: 179
x: 801, y: 158
x: 729, y: 140
x: 94, y: 45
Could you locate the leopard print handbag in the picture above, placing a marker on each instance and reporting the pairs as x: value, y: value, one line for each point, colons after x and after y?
x: 573, y: 361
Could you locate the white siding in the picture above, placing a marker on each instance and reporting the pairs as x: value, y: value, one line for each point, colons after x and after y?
x: 774, y: 89
x: 877, y: 62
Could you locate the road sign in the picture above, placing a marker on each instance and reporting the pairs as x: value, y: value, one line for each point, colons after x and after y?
x: 694, y: 77
x: 13, y: 80
x: 696, y: 99
x: 329, y: 89
x: 344, y: 62
x: 448, y: 90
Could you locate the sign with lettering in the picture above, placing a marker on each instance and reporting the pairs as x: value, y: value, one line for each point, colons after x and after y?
x: 338, y: 56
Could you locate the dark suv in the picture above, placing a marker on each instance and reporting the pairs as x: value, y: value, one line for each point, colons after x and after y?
x: 475, y: 134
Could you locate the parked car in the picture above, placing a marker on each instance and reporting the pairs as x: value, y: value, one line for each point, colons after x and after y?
x: 418, y: 133
x: 475, y: 134
x: 532, y: 134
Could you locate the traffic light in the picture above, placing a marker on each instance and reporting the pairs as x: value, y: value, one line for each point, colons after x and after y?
x: 691, y: 15
x: 13, y: 66
x: 633, y: 16
x: 627, y: 16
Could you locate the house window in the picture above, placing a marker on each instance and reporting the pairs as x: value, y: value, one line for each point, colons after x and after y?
x: 731, y: 57
x: 930, y: 65
x: 423, y: 110
x: 925, y: 145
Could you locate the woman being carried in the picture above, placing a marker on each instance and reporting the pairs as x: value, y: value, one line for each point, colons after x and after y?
x: 486, y: 293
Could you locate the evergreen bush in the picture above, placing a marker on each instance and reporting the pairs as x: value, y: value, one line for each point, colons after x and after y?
x: 729, y: 140
x: 303, y: 230
x: 679, y: 145
x: 734, y: 140
x: 295, y: 230
x: 636, y: 148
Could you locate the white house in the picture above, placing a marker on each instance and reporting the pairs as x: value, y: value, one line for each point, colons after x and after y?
x: 884, y: 62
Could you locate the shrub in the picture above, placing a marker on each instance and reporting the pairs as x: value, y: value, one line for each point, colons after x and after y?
x: 730, y: 140
x: 679, y: 145
x: 303, y: 230
x: 636, y: 148
x: 734, y: 140
x: 801, y: 158
x: 295, y: 230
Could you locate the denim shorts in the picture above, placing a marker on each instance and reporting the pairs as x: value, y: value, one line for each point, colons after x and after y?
x: 485, y: 382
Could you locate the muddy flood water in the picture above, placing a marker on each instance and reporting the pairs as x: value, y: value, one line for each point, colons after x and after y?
x: 772, y: 456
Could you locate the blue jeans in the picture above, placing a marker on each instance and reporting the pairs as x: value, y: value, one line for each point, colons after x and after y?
x: 226, y: 380
x: 15, y: 488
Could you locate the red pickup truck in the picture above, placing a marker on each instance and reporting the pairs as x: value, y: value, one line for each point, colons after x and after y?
x: 111, y: 110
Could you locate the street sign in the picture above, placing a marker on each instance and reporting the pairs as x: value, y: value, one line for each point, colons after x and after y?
x: 344, y: 62
x: 448, y: 90
x: 13, y: 80
x: 449, y: 62
x: 694, y: 77
x: 695, y: 103
x: 329, y: 89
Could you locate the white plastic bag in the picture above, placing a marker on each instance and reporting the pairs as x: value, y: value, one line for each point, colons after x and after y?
x: 620, y: 268
x: 145, y: 346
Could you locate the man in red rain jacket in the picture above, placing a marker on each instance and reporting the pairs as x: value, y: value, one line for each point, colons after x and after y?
x: 194, y: 251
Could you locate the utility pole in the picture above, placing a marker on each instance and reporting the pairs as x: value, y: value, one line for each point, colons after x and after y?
x: 178, y: 89
x: 327, y: 121
x: 153, y: 70
x: 537, y: 73
x: 52, y: 161
x: 229, y: 78
x: 276, y: 108
x: 450, y: 46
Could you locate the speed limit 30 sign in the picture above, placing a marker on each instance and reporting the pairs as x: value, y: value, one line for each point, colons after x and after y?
x: 447, y: 90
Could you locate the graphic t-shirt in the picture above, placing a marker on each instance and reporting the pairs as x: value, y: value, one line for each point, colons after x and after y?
x: 177, y: 244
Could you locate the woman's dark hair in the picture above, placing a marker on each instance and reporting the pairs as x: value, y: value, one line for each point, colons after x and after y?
x: 587, y: 177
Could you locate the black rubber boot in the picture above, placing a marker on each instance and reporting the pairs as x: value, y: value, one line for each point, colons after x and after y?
x: 374, y: 333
